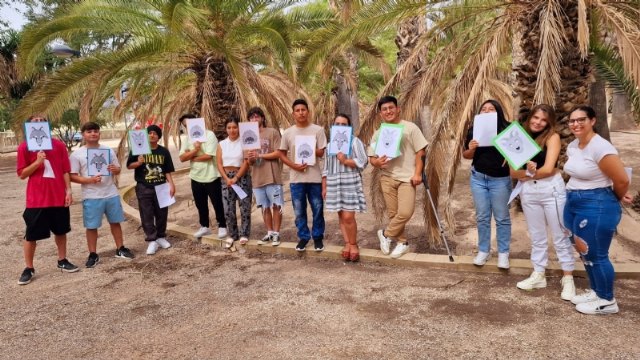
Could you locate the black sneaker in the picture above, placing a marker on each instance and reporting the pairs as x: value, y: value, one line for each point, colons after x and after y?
x: 26, y: 276
x: 66, y: 266
x: 92, y: 261
x: 124, y: 253
x: 301, y: 245
x: 318, y: 245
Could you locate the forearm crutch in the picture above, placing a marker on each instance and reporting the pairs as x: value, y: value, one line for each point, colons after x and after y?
x: 443, y: 236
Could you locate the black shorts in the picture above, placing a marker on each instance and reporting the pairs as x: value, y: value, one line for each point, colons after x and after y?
x: 41, y: 222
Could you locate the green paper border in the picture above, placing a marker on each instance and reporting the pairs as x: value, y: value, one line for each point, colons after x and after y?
x: 387, y: 125
x: 130, y: 141
x: 527, y: 136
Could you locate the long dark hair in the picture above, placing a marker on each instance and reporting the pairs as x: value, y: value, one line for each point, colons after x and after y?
x: 551, y: 123
x: 502, y: 121
x: 591, y: 114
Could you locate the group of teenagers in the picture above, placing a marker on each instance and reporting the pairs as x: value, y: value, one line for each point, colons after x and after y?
x: 583, y: 213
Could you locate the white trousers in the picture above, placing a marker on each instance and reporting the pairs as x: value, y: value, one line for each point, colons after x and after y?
x: 543, y: 204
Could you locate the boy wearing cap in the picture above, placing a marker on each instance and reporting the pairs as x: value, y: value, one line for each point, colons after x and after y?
x: 151, y: 170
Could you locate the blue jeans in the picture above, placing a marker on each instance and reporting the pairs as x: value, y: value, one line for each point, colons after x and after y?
x: 593, y: 215
x: 490, y: 196
x: 300, y: 193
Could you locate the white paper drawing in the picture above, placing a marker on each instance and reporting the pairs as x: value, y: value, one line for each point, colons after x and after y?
x: 38, y: 136
x: 516, y: 191
x: 485, y: 128
x: 305, y: 146
x: 389, y: 139
x: 163, y: 193
x: 197, y: 130
x: 516, y: 145
x: 139, y: 142
x: 340, y: 140
x: 97, y: 162
x: 250, y: 135
x: 241, y: 193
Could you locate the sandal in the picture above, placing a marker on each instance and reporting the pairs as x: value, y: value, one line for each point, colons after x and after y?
x: 345, y: 253
x: 354, y: 256
x: 244, y: 240
x: 228, y: 243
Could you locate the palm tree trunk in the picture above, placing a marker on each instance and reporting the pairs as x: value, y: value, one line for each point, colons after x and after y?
x: 622, y: 117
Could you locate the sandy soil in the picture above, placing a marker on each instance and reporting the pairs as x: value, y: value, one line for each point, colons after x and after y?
x: 192, y: 301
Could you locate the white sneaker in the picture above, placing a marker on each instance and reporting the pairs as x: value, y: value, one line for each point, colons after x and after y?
x: 568, y: 288
x: 401, y: 249
x: 202, y: 232
x: 481, y: 258
x: 275, y: 239
x: 265, y: 240
x: 503, y: 261
x: 599, y: 307
x: 587, y: 296
x: 152, y: 248
x: 163, y: 243
x: 385, y: 242
x: 222, y: 232
x: 535, y: 281
x: 244, y: 240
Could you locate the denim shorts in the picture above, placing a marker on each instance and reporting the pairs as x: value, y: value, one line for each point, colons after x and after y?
x: 92, y: 210
x: 269, y: 195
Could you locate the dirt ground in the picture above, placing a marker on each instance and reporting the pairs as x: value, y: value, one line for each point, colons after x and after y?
x: 193, y: 301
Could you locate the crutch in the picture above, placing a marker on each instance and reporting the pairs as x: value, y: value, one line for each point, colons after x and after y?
x: 433, y: 207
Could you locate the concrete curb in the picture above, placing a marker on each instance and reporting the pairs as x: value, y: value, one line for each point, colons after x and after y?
x: 519, y: 267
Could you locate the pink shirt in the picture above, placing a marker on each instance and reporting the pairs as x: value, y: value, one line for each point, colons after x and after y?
x: 45, y: 192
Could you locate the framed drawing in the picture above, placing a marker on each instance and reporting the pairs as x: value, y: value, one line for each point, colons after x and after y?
x: 97, y: 162
x: 485, y: 128
x: 38, y: 135
x: 139, y: 142
x: 340, y: 140
x: 516, y: 145
x: 389, y: 139
x: 250, y: 135
x: 305, y: 146
x: 197, y: 130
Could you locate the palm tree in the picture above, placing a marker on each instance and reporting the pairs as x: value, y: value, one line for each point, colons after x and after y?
x: 214, y: 58
x: 468, y: 49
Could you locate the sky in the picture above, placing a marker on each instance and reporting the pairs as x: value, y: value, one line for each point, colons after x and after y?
x: 15, y: 18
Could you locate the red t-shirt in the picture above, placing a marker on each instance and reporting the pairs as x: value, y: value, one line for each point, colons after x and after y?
x: 45, y: 192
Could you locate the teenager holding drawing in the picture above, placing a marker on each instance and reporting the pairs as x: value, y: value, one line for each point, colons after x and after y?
x: 234, y: 169
x: 543, y: 197
x: 400, y: 174
x: 342, y: 188
x: 491, y: 187
x: 597, y: 185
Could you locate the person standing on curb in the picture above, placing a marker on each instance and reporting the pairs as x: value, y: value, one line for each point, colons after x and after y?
x: 152, y: 170
x: 400, y: 176
x: 305, y: 179
x: 48, y: 199
x: 99, y: 195
x: 205, y: 179
x: 266, y: 177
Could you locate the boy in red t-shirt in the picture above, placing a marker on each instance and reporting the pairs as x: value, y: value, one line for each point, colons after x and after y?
x: 48, y: 200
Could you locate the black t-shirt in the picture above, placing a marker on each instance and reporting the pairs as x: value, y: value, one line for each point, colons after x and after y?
x: 487, y: 159
x: 155, y: 166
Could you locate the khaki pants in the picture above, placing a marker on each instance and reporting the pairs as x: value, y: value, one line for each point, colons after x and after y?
x: 396, y: 192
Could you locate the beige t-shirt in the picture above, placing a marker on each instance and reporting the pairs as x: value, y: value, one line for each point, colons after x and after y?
x: 265, y: 172
x: 402, y: 167
x: 313, y: 173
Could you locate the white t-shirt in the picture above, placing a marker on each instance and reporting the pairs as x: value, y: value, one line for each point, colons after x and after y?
x: 232, y: 154
x: 102, y: 190
x: 582, y: 164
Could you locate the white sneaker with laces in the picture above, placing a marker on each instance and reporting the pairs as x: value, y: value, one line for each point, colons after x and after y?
x: 265, y: 240
x: 587, y: 296
x: 481, y: 258
x: 152, y: 248
x: 222, y: 232
x: 203, y: 231
x: 598, y: 307
x: 163, y: 243
x: 568, y: 288
x: 275, y: 239
x: 503, y: 261
x: 385, y: 242
x: 401, y: 249
x: 535, y: 281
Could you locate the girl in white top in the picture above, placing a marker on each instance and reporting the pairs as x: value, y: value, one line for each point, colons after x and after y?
x: 543, y: 197
x: 234, y: 169
x: 597, y: 186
